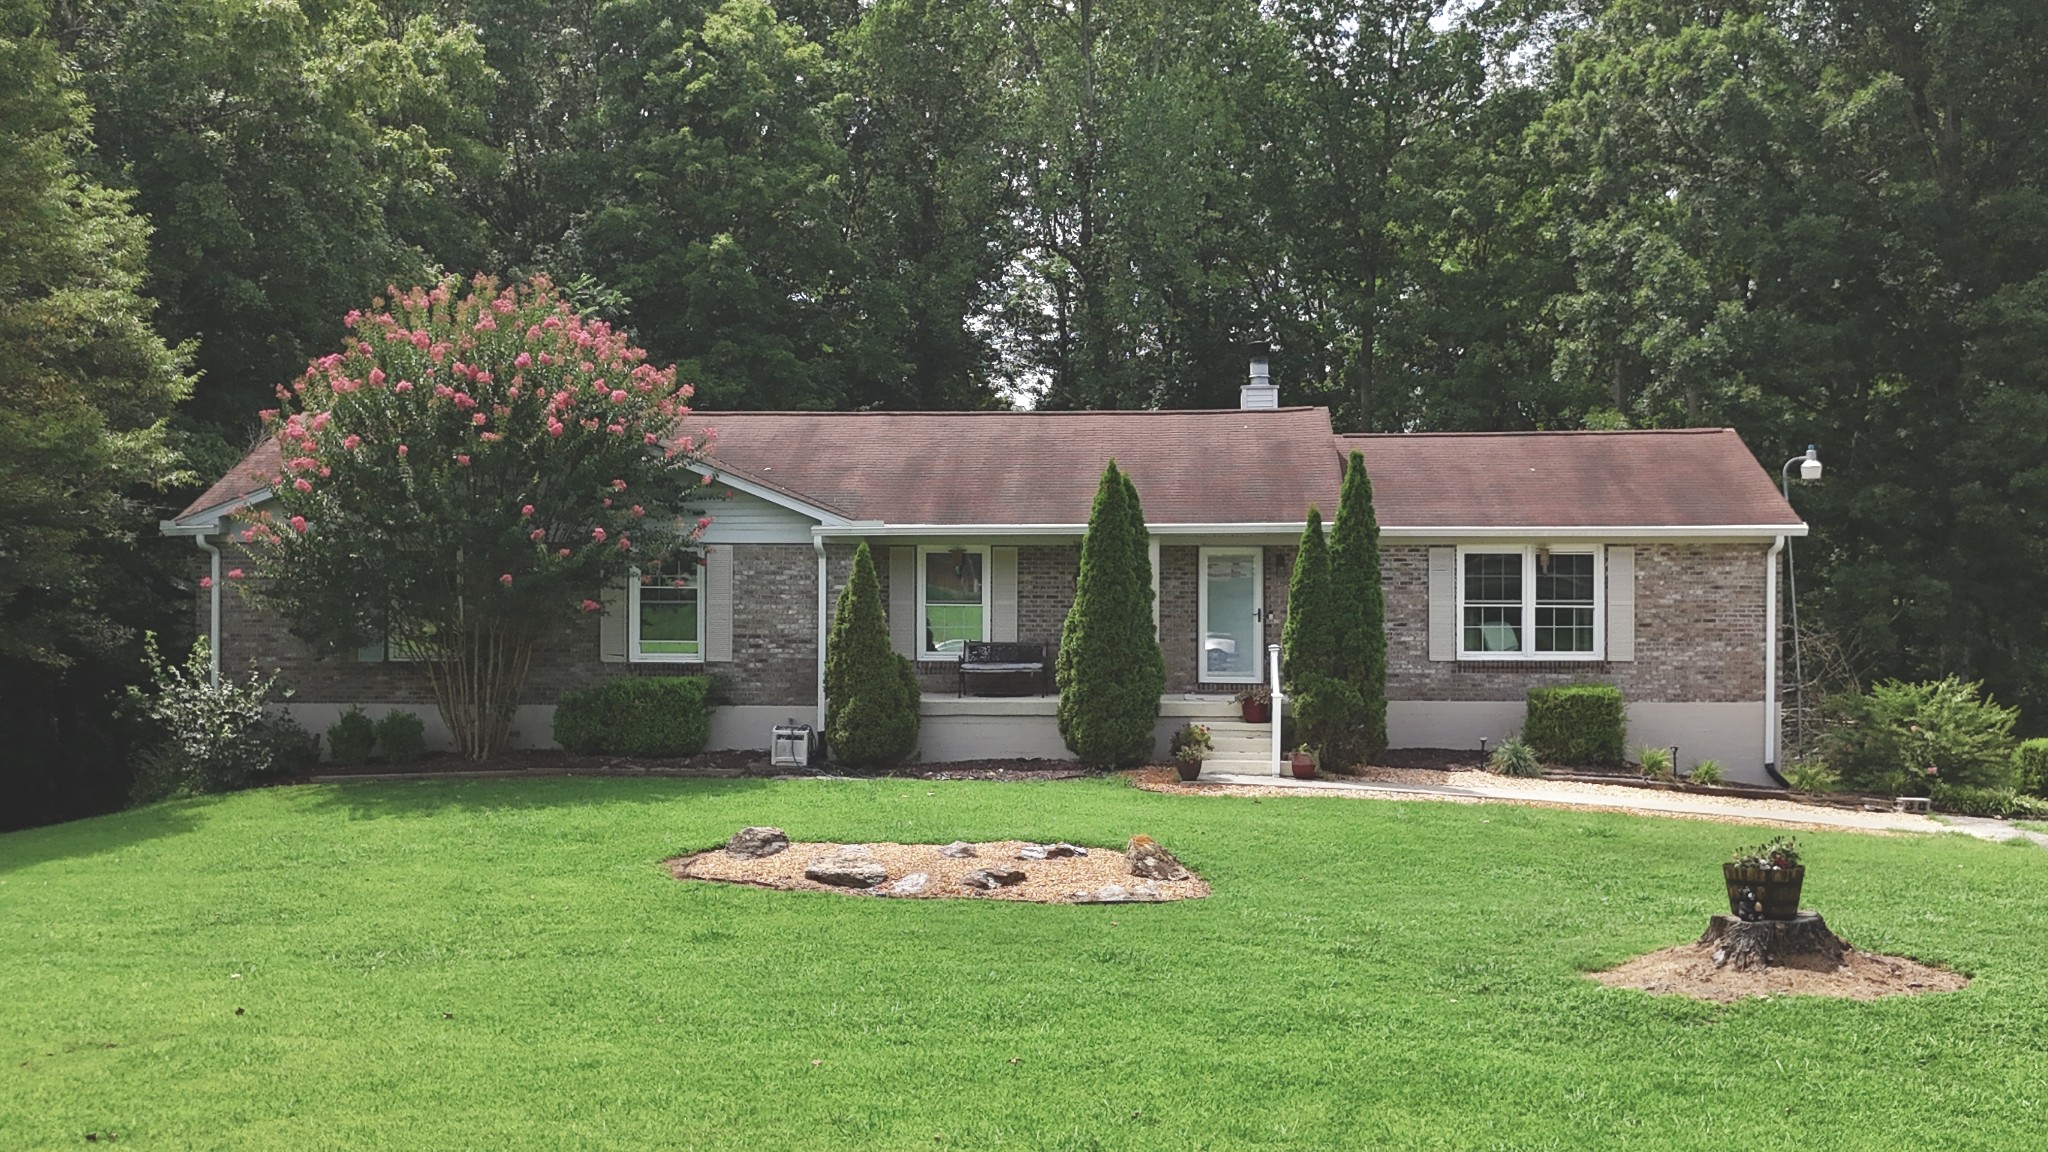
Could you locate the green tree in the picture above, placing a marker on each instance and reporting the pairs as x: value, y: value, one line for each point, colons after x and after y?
x: 86, y: 386
x: 1326, y: 706
x: 1110, y: 671
x: 474, y: 468
x: 1359, y: 609
x: 871, y: 692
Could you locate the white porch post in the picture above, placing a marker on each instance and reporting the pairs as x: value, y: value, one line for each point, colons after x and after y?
x: 1273, y: 663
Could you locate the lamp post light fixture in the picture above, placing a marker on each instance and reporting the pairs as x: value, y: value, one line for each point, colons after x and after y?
x: 1809, y: 469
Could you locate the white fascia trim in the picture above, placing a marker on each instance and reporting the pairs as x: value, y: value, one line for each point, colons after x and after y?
x: 1759, y: 532
x: 764, y: 492
x: 207, y: 521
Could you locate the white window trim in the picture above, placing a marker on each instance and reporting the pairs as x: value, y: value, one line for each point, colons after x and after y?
x: 987, y: 595
x: 633, y: 653
x: 1202, y: 673
x: 1528, y: 553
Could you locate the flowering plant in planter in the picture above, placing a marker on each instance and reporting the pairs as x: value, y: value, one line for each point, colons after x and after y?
x: 1255, y: 703
x: 1764, y: 882
x: 470, y: 471
x: 1777, y: 852
x: 1192, y: 743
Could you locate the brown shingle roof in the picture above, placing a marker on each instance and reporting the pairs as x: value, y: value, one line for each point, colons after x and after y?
x: 1695, y: 477
x: 1211, y: 467
x: 1191, y: 467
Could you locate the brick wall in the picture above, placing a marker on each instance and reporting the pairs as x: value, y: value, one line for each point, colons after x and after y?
x: 1180, y: 605
x: 1699, y: 632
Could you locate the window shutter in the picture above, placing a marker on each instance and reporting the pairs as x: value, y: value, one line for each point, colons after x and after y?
x: 903, y: 601
x: 611, y: 625
x: 718, y: 570
x: 1621, y: 603
x: 1002, y: 594
x: 1443, y: 603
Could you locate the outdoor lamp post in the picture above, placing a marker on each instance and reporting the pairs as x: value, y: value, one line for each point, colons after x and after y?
x: 1809, y: 469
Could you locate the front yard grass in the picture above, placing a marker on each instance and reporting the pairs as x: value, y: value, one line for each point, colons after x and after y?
x: 505, y: 965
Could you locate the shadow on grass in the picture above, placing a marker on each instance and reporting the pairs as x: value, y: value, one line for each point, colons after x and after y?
x: 98, y: 835
x: 372, y: 800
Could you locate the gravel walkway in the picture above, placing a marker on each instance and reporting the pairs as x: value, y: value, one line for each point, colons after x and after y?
x: 1484, y: 787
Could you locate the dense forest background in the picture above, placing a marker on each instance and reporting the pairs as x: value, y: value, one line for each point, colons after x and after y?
x: 1814, y: 220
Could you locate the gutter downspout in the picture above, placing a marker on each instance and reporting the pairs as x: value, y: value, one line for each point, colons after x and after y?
x: 1771, y: 641
x: 818, y: 543
x: 213, y: 609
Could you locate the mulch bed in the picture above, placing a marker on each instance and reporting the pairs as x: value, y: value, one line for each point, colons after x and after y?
x: 1689, y: 970
x: 729, y: 763
x: 1061, y: 880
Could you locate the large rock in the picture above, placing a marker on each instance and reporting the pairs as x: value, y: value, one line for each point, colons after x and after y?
x: 847, y: 868
x: 958, y: 850
x: 1152, y: 862
x: 990, y: 879
x: 754, y: 843
x: 1049, y: 851
x: 911, y: 885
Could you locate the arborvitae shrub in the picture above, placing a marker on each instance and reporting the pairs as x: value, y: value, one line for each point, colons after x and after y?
x: 871, y: 692
x: 401, y: 737
x: 636, y: 716
x: 1359, y: 611
x: 1577, y: 724
x: 1109, y: 671
x: 351, y: 738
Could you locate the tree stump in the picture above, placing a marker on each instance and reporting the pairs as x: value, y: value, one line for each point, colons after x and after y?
x: 1801, y: 942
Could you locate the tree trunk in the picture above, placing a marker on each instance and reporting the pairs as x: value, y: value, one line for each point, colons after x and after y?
x: 1803, y: 942
x: 476, y: 681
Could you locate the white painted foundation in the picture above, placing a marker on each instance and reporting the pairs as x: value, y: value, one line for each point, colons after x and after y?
x: 1730, y: 733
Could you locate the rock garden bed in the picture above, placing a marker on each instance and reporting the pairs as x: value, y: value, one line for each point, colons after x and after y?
x: 1143, y: 872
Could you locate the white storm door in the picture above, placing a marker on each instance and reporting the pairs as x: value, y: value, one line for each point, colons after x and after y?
x: 1233, y: 632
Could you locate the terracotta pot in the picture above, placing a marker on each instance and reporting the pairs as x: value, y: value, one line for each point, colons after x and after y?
x: 1304, y: 766
x: 1763, y: 893
x: 1257, y: 711
x: 1189, y: 769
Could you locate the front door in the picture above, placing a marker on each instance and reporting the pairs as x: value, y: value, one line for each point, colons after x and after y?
x: 1233, y: 629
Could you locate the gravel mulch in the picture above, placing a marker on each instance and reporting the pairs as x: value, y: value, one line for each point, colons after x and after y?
x: 1688, y: 970
x: 1063, y: 880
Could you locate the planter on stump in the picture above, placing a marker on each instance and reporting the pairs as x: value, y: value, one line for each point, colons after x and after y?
x: 1756, y: 893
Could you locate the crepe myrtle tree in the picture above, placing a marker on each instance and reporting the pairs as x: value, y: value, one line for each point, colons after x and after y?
x: 472, y: 469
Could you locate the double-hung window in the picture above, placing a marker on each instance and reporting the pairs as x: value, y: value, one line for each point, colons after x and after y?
x: 1529, y: 603
x: 952, y: 599
x: 665, y: 615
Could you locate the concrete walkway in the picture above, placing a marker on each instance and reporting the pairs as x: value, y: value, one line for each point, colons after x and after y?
x: 1613, y: 798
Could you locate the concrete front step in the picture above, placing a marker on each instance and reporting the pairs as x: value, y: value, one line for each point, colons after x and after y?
x: 1237, y: 766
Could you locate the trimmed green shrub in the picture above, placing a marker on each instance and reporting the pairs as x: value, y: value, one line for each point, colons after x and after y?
x: 212, y: 737
x: 1514, y: 757
x: 401, y: 737
x: 1577, y: 723
x: 871, y: 692
x: 636, y: 716
x: 2030, y: 766
x: 1359, y: 610
x: 1110, y: 671
x: 352, y: 738
x: 1998, y: 803
x: 1900, y: 738
x: 1705, y: 772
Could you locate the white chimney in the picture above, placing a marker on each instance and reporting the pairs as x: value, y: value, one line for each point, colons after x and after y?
x: 1260, y: 393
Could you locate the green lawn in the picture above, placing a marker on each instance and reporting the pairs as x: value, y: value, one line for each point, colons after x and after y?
x: 505, y: 965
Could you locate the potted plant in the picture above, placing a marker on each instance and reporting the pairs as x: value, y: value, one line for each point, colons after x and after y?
x: 1256, y: 703
x: 1190, y: 747
x: 1303, y: 761
x: 1764, y: 881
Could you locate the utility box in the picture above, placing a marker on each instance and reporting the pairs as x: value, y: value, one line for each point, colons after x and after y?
x: 791, y: 746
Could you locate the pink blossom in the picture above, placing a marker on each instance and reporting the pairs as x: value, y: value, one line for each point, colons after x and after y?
x: 248, y: 534
x: 402, y: 451
x: 420, y: 341
x: 523, y: 360
x: 302, y: 485
x: 562, y: 552
x: 402, y: 386
x: 618, y: 396
x: 607, y: 501
x: 489, y: 437
x: 647, y: 438
x: 234, y: 573
x: 486, y: 324
x: 526, y: 510
x: 704, y: 522
x: 298, y: 524
x: 376, y: 377
x: 354, y: 316
x: 325, y: 471
x: 618, y: 485
x: 506, y: 579
x: 555, y: 428
x: 462, y: 459
x: 677, y: 583
x: 616, y: 429
x: 537, y: 535
x: 592, y: 606
x: 478, y: 419
x: 625, y: 543
x: 206, y: 581
x: 639, y: 511
x: 597, y: 534
x: 351, y: 442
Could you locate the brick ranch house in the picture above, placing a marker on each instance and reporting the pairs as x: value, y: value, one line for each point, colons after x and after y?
x: 1644, y: 559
